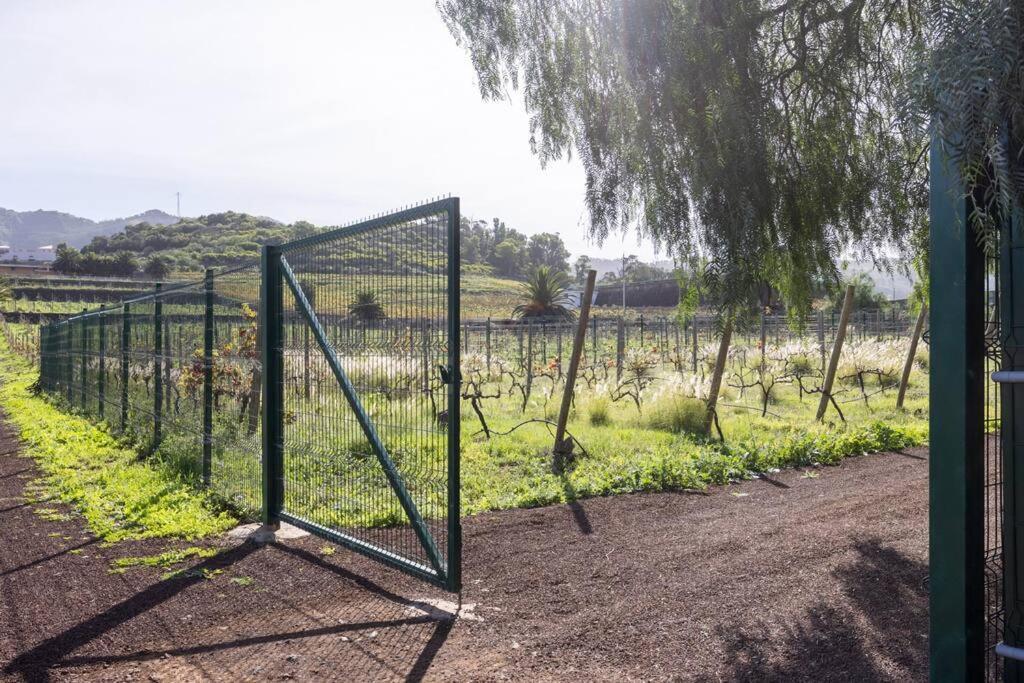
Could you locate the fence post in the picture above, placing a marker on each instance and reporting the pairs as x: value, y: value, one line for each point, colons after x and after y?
x: 208, y: 379
x: 837, y: 350
x: 158, y: 379
x: 957, y: 434
x: 695, y: 342
x: 620, y: 347
x: 273, y: 387
x: 168, y: 363
x: 821, y: 338
x: 126, y: 342
x: 594, y: 324
x: 83, y: 348
x: 101, y: 379
x: 911, y: 352
x: 487, y: 344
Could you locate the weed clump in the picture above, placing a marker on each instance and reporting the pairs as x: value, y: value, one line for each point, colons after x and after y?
x: 599, y: 411
x: 677, y: 414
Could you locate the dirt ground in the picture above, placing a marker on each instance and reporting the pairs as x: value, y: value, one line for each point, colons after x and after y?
x: 794, y: 578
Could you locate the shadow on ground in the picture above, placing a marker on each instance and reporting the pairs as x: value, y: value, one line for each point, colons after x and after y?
x: 181, y: 629
x: 881, y: 630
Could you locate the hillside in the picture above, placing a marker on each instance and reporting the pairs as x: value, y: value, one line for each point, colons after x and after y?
x: 32, y: 229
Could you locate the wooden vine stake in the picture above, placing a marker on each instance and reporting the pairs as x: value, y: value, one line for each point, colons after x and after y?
x: 837, y: 350
x: 909, y: 364
x: 716, y: 377
x: 563, y: 446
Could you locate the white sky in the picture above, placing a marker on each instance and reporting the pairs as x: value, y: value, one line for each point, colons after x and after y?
x: 326, y: 111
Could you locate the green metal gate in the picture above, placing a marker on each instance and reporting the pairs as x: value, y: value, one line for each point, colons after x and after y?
x: 361, y: 387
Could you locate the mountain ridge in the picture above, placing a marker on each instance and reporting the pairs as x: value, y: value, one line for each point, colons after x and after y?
x: 42, y: 227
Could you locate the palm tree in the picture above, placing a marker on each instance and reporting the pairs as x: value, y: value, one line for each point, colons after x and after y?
x: 546, y: 295
x: 366, y: 307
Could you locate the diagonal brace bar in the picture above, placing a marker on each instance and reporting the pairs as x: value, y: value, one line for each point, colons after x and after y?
x: 390, y: 471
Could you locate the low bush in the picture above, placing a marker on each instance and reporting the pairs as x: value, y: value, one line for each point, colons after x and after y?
x: 677, y: 414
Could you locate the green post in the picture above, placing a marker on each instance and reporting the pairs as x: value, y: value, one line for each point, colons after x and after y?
x: 158, y: 379
x: 454, y: 569
x: 270, y: 322
x: 69, y: 360
x: 1011, y: 315
x: 126, y: 343
x: 956, y: 476
x: 208, y: 380
x: 101, y: 378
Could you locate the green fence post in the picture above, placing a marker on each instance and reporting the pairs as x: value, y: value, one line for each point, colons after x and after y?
x: 1011, y: 317
x: 956, y: 462
x: 158, y: 379
x: 83, y: 343
x: 126, y: 343
x: 453, y: 578
x: 69, y: 361
x: 208, y: 380
x: 101, y: 378
x: 270, y: 321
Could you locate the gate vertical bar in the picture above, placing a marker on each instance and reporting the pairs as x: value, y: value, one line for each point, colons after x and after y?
x: 956, y: 515
x: 208, y: 378
x: 270, y: 321
x: 158, y: 379
x: 126, y: 342
x: 454, y: 574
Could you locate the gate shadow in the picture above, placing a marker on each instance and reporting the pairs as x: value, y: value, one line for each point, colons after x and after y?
x: 295, y: 629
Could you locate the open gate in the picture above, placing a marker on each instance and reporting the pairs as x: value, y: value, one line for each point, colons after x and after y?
x: 361, y: 388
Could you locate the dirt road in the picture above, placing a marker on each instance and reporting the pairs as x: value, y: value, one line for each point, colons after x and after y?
x: 795, y: 578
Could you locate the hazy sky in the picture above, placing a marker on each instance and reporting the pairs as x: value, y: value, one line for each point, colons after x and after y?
x: 320, y: 110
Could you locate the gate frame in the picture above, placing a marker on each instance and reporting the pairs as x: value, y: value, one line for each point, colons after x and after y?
x: 276, y: 274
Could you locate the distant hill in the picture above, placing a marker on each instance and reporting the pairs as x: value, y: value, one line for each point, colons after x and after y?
x: 33, y: 229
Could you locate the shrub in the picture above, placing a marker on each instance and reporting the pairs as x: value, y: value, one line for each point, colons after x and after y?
x: 599, y: 411
x: 677, y: 414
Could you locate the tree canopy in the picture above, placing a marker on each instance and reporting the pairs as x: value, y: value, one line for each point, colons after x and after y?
x: 766, y: 136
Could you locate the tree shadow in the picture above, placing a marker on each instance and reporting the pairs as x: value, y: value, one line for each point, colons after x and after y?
x: 879, y: 630
x: 578, y: 513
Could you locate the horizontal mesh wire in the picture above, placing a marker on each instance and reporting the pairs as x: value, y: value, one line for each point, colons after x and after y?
x: 385, y: 317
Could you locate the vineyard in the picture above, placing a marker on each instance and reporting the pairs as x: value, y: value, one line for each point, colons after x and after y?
x: 636, y: 420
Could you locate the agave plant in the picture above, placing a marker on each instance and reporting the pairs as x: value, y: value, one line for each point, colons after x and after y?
x: 366, y: 307
x: 546, y: 295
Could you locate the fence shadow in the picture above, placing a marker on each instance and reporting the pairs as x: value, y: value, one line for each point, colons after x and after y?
x: 313, y: 620
x: 882, y: 625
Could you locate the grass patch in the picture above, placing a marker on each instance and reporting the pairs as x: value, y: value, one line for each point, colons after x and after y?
x: 166, y: 559
x: 119, y: 496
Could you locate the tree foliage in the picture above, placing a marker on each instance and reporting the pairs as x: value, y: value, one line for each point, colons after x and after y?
x: 764, y: 135
x: 970, y: 84
x: 509, y: 252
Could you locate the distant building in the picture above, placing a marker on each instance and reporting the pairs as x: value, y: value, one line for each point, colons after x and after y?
x: 20, y: 255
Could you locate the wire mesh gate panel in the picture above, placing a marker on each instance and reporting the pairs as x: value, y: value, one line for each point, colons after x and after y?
x: 361, y: 333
